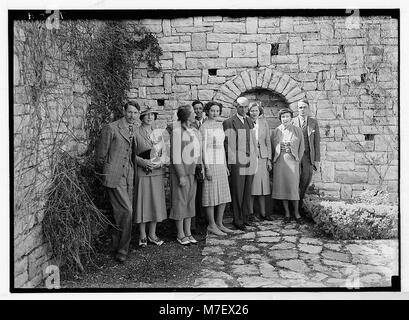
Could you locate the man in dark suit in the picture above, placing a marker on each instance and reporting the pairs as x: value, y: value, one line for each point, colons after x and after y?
x: 240, y: 146
x: 114, y: 156
x: 311, y: 134
x: 199, y: 221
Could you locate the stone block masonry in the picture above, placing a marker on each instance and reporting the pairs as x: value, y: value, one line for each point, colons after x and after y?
x: 221, y: 58
x: 320, y: 58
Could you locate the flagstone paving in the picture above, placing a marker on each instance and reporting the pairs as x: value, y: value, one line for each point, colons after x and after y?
x: 277, y: 255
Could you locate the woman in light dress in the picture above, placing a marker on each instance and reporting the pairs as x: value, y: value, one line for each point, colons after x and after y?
x: 261, y: 183
x: 288, y: 145
x: 216, y: 191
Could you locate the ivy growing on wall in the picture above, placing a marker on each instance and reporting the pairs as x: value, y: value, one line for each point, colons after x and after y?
x: 79, y: 66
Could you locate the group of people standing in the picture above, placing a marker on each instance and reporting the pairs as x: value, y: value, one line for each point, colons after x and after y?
x: 211, y: 163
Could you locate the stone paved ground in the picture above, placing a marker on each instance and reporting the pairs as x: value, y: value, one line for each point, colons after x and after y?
x: 278, y: 255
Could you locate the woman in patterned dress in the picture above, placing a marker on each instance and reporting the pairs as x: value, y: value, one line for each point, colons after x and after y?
x: 216, y: 191
x: 288, y: 145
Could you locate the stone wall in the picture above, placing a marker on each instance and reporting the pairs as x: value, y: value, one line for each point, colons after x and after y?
x: 350, y: 76
x: 49, y: 115
x: 347, y: 69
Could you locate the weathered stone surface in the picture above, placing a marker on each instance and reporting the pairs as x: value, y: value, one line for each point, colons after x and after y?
x: 241, y: 62
x: 255, y: 282
x: 283, y: 245
x: 250, y: 235
x: 211, y: 63
x: 268, y: 233
x: 292, y: 275
x: 199, y: 41
x: 246, y: 269
x: 283, y: 254
x: 230, y: 27
x: 249, y: 248
x: 269, y: 239
x: 333, y: 255
x: 310, y: 248
x: 212, y: 250
x: 289, y: 232
x: 210, y: 283
x: 225, y: 50
x: 212, y: 260
x: 294, y: 265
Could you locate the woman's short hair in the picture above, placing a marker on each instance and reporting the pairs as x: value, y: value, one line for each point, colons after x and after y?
x: 132, y: 103
x: 256, y: 104
x: 210, y: 104
x: 284, y: 111
x: 197, y: 102
x: 183, y: 112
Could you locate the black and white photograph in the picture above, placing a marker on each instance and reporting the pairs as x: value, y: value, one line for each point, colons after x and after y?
x: 205, y: 150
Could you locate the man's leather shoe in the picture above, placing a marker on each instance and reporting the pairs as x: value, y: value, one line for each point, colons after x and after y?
x: 240, y: 227
x: 249, y: 224
x: 120, y: 257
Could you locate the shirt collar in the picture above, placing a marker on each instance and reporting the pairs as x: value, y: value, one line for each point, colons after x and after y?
x: 240, y: 117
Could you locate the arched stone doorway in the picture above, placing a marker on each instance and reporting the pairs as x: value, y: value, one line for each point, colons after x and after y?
x: 275, y: 87
x: 271, y: 101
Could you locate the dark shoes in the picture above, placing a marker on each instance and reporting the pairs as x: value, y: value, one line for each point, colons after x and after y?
x: 249, y: 224
x: 300, y: 220
x: 120, y: 257
x: 287, y: 219
x: 241, y: 227
x: 266, y: 218
x: 254, y: 218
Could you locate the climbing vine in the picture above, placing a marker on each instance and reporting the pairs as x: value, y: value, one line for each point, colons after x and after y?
x: 70, y: 81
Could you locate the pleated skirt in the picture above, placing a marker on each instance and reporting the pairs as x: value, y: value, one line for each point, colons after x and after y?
x: 217, y: 190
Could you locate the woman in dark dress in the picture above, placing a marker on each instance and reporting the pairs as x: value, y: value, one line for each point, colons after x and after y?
x: 185, y: 154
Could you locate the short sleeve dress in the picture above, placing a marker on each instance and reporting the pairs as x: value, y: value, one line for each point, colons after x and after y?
x: 215, y: 191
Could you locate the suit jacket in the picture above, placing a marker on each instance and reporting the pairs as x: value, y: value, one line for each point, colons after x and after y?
x: 196, y: 124
x: 114, y: 152
x: 185, y: 150
x: 264, y: 141
x: 313, y: 137
x: 296, y: 142
x: 239, y: 149
x: 144, y: 144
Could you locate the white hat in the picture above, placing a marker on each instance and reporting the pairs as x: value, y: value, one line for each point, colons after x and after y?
x: 243, y: 101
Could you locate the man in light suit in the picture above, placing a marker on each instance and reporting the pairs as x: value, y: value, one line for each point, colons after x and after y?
x: 114, y: 155
x: 311, y: 134
x: 240, y: 146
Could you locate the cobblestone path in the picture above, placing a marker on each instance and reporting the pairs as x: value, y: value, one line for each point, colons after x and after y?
x: 277, y: 255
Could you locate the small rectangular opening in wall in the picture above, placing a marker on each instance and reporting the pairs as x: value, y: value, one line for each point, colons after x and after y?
x: 369, y: 137
x: 161, y: 102
x: 364, y: 77
x: 212, y: 72
x: 274, y: 49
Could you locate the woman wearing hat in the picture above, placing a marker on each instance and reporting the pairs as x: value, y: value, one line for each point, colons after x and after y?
x: 150, y: 206
x: 260, y: 187
x: 288, y: 145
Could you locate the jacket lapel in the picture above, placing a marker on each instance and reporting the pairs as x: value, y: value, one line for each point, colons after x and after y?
x: 123, y: 129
